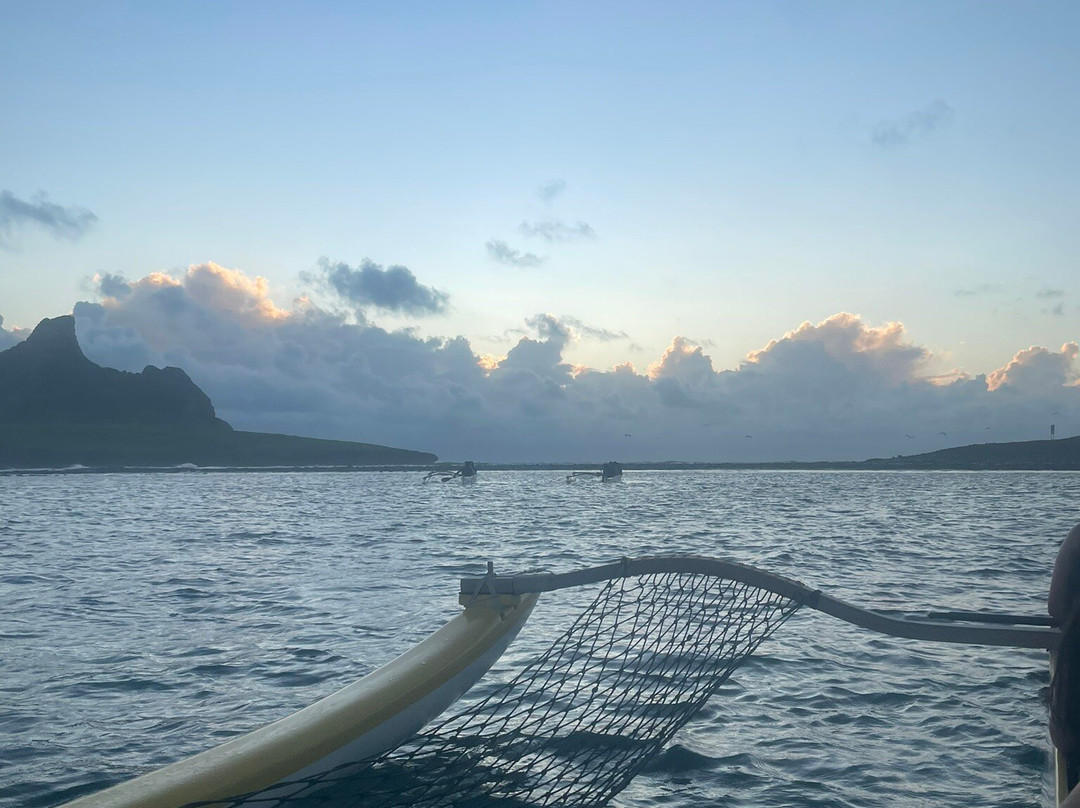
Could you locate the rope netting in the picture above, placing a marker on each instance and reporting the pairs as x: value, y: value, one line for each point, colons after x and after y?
x: 576, y: 724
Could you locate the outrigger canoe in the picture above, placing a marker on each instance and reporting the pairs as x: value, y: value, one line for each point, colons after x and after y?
x: 375, y: 714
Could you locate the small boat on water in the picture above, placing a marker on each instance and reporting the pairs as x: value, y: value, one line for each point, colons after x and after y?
x: 609, y: 472
x: 467, y: 474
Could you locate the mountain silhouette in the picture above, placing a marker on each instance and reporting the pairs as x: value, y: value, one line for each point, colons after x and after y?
x: 58, y: 408
x: 48, y: 379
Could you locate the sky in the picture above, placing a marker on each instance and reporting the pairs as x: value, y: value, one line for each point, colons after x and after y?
x: 515, y: 232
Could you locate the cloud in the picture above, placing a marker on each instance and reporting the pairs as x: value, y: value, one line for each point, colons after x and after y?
x: 844, y: 340
x: 394, y: 288
x: 504, y: 254
x: 109, y: 285
x: 899, y: 132
x: 1037, y: 368
x: 540, y: 358
x: 1049, y: 294
x: 573, y: 328
x: 588, y: 332
x: 979, y: 290
x: 685, y: 378
x: 7, y: 338
x: 551, y: 328
x: 556, y: 231
x: 841, y: 388
x: 15, y: 214
x: 551, y: 189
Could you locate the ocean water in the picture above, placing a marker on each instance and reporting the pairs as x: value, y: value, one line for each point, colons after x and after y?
x: 148, y: 616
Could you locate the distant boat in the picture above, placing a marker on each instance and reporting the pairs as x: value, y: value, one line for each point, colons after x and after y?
x: 609, y: 472
x: 467, y: 474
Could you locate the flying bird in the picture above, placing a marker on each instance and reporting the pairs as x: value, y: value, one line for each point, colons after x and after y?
x: 748, y: 436
x: 906, y: 435
x: 946, y: 434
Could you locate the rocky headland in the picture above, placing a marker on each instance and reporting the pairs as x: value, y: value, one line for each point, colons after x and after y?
x: 58, y: 408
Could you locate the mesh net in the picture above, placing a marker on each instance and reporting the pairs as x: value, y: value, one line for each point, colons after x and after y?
x: 575, y: 725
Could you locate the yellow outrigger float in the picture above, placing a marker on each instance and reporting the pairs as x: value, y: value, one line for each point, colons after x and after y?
x: 369, y: 716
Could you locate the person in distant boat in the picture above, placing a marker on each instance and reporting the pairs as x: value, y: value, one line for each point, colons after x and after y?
x: 611, y: 470
x: 1063, y: 604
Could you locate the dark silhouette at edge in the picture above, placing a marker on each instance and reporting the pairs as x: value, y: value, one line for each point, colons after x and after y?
x: 1063, y: 605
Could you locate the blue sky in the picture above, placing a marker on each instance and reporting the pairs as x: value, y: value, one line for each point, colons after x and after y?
x: 718, y: 173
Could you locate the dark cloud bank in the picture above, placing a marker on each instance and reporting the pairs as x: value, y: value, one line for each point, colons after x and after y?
x: 839, y: 389
x: 394, y: 288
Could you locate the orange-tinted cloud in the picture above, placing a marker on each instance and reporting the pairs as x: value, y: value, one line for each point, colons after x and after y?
x: 1038, y: 368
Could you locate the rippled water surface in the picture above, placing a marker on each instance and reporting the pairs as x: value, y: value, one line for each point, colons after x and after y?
x: 144, y: 617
